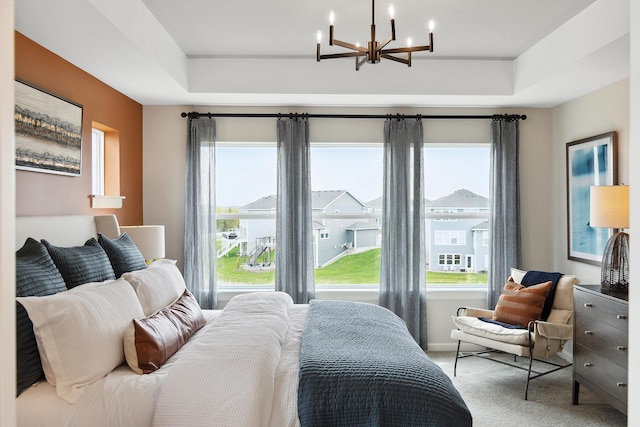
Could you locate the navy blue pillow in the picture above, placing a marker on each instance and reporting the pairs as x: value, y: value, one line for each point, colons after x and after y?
x: 123, y: 254
x: 36, y: 275
x: 81, y: 264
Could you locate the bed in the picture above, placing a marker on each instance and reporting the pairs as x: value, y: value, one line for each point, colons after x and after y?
x: 131, y: 348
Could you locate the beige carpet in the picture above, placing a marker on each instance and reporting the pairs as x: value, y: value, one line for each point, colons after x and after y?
x: 494, y: 394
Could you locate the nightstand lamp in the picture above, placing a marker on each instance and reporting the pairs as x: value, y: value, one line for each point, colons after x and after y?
x: 148, y: 238
x: 609, y: 208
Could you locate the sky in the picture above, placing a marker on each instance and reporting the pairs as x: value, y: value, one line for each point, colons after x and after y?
x: 245, y: 174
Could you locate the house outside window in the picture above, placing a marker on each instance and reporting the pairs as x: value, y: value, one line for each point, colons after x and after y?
x: 346, y: 210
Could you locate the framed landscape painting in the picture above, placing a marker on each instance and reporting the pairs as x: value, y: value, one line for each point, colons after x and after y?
x: 590, y: 162
x: 48, y: 132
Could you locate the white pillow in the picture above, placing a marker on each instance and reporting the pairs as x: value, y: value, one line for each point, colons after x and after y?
x: 80, y: 332
x: 158, y: 286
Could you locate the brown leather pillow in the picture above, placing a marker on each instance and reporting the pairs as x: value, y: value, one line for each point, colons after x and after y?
x: 149, y: 342
x: 519, y: 305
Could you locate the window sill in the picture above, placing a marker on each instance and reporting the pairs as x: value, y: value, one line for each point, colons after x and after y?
x: 106, y: 202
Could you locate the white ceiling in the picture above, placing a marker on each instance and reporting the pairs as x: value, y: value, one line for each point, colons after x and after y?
x: 520, y: 53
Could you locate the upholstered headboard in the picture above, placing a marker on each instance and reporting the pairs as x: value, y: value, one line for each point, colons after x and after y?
x: 65, y: 230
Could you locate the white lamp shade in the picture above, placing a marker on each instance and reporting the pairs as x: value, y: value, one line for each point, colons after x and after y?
x: 148, y: 238
x: 609, y: 206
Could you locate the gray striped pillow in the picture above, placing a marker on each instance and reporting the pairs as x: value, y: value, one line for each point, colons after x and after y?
x: 81, y: 264
x: 36, y: 275
x: 123, y: 254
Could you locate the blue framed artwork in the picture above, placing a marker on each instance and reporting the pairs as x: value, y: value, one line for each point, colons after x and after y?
x: 590, y: 161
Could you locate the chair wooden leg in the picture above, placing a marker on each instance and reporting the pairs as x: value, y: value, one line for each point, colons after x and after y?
x: 455, y: 365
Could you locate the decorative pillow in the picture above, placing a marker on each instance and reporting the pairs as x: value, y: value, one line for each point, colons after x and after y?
x: 36, y: 275
x: 81, y: 264
x: 151, y: 341
x: 518, y: 305
x: 157, y: 286
x: 80, y: 332
x: 123, y: 254
x: 563, y: 293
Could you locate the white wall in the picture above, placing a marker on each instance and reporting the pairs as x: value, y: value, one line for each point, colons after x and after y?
x: 164, y: 136
x: 599, y: 112
x: 7, y: 220
x: 634, y: 189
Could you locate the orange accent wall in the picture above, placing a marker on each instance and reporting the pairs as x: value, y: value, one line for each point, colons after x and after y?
x: 48, y: 194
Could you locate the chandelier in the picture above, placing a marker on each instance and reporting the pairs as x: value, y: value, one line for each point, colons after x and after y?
x: 374, y: 50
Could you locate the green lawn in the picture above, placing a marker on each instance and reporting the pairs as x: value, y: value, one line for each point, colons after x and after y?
x: 362, y: 268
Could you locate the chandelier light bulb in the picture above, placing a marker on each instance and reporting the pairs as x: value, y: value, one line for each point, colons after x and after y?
x: 409, y: 41
x: 392, y: 11
x: 357, y: 44
x: 332, y: 17
x: 319, y: 36
x: 432, y: 25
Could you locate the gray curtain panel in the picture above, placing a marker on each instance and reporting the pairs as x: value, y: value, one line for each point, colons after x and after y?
x: 403, y: 259
x: 200, y: 212
x: 504, y: 224
x: 294, y: 232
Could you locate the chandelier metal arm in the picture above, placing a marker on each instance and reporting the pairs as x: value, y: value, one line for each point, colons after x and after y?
x: 406, y: 61
x: 407, y: 49
x: 349, y: 46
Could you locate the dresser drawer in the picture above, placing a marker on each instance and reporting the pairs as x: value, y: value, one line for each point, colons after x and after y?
x: 603, y: 309
x: 602, y: 338
x: 609, y: 376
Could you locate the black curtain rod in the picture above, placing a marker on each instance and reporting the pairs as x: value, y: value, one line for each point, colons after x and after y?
x: 196, y: 115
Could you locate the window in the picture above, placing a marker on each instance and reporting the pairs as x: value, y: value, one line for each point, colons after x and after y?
x: 346, y: 212
x: 457, y: 213
x: 246, y: 214
x: 346, y: 181
x: 449, y: 259
x: 105, y: 167
x: 97, y: 162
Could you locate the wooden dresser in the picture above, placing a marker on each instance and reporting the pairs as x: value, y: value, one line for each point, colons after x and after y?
x: 600, y: 344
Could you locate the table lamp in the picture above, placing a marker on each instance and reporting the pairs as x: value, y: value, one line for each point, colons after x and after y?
x: 148, y: 238
x: 609, y: 208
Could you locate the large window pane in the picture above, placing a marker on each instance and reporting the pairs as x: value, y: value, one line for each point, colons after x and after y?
x: 457, y: 209
x: 346, y: 181
x: 246, y: 208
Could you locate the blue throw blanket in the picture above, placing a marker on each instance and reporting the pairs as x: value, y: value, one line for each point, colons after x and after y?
x: 533, y: 277
x: 359, y: 366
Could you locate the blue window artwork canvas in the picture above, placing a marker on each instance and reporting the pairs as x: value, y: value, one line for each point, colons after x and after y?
x: 590, y: 162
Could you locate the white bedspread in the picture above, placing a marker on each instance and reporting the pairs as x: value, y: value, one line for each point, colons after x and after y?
x: 228, y: 377
x: 241, y: 369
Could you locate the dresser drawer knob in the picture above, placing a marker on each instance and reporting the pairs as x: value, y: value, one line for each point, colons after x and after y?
x: 588, y: 332
x: 588, y: 304
x: 621, y: 384
x: 588, y: 365
x: 621, y: 348
x: 621, y: 317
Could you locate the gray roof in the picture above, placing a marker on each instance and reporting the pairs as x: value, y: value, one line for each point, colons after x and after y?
x: 262, y: 204
x: 319, y: 200
x: 361, y: 225
x: 460, y: 199
x: 484, y: 225
x: 375, y: 203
